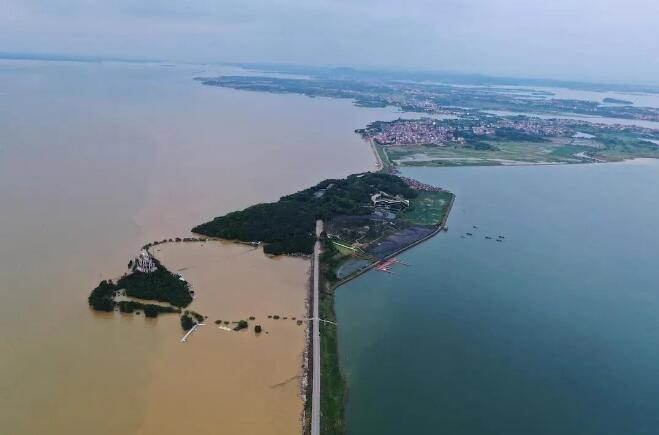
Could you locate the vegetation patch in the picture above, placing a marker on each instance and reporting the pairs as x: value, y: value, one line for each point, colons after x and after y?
x: 428, y: 208
x: 160, y: 285
x: 187, y: 322
x: 242, y: 324
x: 287, y: 226
x: 150, y: 310
x: 196, y: 316
x: 333, y: 392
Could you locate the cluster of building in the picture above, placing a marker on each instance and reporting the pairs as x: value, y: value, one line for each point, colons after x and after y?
x: 537, y: 126
x: 429, y: 131
x: 144, y: 263
x: 417, y: 185
x: 383, y: 199
x: 409, y: 132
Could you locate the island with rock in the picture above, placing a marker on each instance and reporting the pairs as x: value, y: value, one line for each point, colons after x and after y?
x: 148, y: 286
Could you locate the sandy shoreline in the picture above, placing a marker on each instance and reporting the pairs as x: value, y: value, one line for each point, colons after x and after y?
x: 232, y: 382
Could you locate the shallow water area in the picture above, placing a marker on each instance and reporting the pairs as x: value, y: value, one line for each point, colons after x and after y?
x: 244, y: 371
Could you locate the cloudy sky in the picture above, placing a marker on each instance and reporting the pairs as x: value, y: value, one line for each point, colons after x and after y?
x: 602, y: 40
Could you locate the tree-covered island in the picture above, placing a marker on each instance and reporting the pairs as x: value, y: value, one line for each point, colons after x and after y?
x: 148, y: 280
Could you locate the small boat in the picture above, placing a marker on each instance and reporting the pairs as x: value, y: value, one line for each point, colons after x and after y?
x: 488, y: 237
x: 499, y: 240
x: 469, y: 234
x: 475, y: 227
x: 501, y: 237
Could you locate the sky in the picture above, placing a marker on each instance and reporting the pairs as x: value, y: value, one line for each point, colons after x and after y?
x: 591, y: 40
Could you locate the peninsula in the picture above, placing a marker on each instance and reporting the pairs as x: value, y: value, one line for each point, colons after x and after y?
x: 432, y: 97
x: 369, y: 218
x: 478, y: 125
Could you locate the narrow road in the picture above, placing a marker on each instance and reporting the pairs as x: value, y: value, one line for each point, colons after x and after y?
x: 315, y: 391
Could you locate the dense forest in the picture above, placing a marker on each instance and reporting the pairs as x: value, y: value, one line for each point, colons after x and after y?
x: 102, y: 297
x: 287, y: 226
x: 160, y: 285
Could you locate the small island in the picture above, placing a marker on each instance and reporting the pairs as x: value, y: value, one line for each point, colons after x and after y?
x: 148, y: 280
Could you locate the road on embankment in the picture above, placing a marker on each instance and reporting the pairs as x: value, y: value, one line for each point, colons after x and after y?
x: 315, y: 391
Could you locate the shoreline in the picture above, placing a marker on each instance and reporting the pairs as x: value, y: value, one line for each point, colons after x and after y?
x: 336, y: 395
x: 379, y: 165
x: 441, y: 227
x: 328, y: 291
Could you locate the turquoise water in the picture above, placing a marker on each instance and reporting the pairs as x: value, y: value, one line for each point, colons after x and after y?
x: 553, y: 331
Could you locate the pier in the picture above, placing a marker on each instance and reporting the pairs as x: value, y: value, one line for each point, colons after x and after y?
x: 193, y: 329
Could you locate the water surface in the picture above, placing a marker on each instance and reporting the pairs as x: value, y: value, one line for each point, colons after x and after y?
x: 553, y: 331
x: 97, y: 159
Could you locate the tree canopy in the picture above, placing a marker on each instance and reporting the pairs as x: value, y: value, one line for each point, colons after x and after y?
x: 287, y: 226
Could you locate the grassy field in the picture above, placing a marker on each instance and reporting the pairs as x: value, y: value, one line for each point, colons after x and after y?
x: 428, y: 208
x: 507, y: 152
x: 561, y: 150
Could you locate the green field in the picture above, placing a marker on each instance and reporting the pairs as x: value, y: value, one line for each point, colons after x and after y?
x: 428, y: 208
x: 557, y: 150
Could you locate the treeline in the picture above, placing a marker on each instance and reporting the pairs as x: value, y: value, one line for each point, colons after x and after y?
x: 287, y: 226
x: 177, y: 240
x: 102, y: 299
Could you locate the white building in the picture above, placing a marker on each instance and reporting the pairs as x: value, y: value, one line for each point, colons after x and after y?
x: 386, y: 200
x: 144, y: 263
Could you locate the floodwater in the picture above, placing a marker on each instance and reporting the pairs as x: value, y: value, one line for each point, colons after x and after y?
x: 97, y: 159
x: 553, y: 330
x: 249, y: 383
